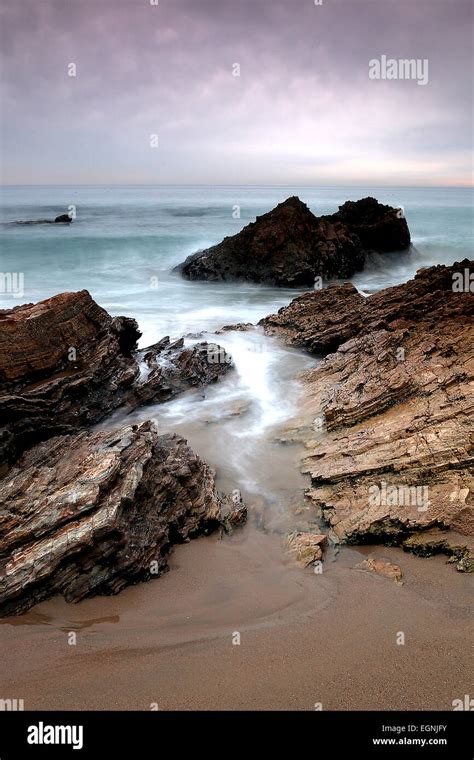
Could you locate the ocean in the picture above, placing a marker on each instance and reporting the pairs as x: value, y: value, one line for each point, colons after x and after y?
x: 125, y: 241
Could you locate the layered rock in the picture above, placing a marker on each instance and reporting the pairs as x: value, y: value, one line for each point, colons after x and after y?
x: 391, y: 455
x: 92, y: 513
x: 306, y: 548
x: 289, y: 246
x: 66, y: 363
x: 319, y: 320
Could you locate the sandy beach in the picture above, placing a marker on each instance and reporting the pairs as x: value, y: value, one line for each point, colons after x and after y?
x: 305, y: 638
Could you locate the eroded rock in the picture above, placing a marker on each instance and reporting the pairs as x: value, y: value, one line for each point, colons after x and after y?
x: 379, y: 228
x: 66, y: 363
x: 396, y: 401
x: 92, y: 513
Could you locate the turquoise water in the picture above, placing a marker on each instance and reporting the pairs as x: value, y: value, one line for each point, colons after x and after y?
x: 126, y: 240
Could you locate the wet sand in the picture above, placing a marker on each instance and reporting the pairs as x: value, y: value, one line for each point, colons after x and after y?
x: 304, y: 638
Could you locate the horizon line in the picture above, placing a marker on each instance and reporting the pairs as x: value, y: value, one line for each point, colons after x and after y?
x: 151, y: 184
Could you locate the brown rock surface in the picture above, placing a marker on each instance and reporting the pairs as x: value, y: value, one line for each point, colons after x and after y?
x: 66, y: 363
x: 381, y: 567
x: 290, y: 246
x: 92, y: 513
x: 395, y: 456
x: 320, y: 320
x: 306, y: 547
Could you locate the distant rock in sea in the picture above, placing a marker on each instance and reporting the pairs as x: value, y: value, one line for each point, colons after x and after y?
x: 61, y: 219
x: 378, y: 227
x: 290, y: 246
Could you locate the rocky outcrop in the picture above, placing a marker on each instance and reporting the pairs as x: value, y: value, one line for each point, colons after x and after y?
x: 239, y: 327
x: 86, y: 513
x: 391, y: 453
x: 289, y: 246
x: 320, y: 320
x: 66, y: 363
x: 63, y: 219
x: 92, y: 513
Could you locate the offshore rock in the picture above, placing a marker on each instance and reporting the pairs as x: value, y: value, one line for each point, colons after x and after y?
x: 289, y: 246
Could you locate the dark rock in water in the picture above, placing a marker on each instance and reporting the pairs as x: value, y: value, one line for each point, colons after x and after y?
x: 395, y: 400
x: 66, y: 363
x: 63, y: 218
x: 172, y: 369
x: 378, y: 227
x: 92, y: 513
x: 289, y: 246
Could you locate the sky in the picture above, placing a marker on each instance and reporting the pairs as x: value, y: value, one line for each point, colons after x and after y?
x: 155, y: 98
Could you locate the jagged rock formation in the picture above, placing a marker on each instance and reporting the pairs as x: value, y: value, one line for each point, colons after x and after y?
x: 92, y: 513
x: 289, y: 246
x: 396, y: 406
x: 84, y: 513
x: 319, y: 320
x: 66, y: 363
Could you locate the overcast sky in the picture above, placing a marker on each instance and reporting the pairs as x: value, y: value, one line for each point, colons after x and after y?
x: 302, y: 111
